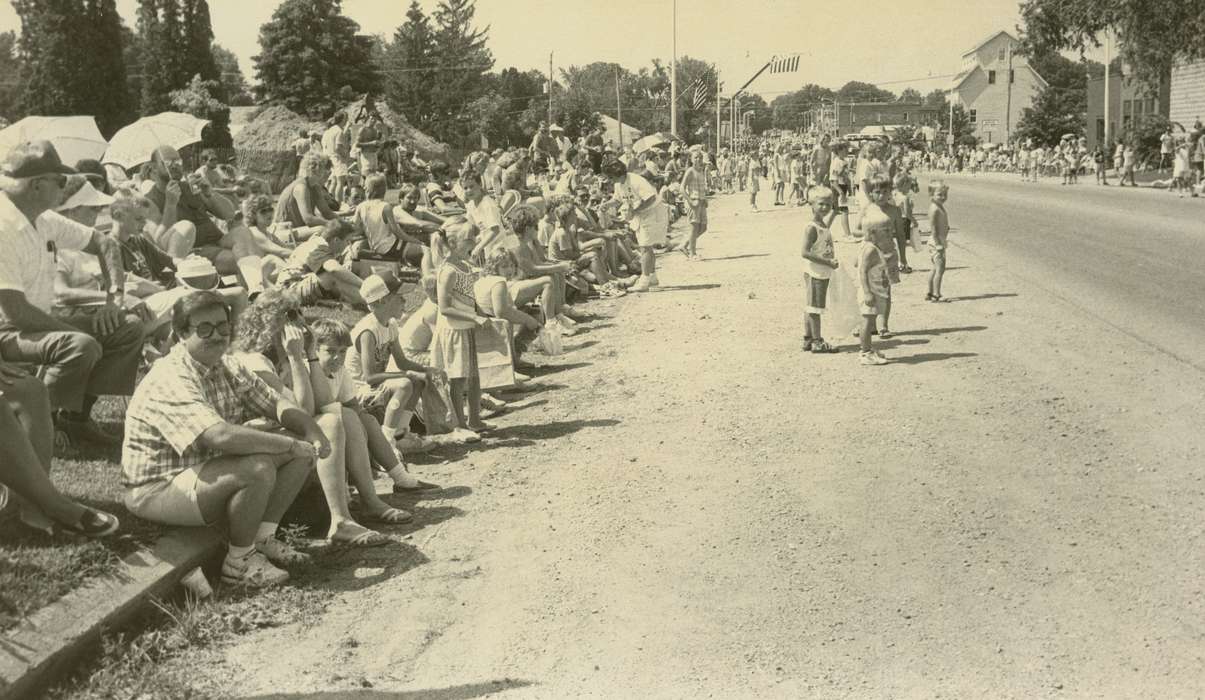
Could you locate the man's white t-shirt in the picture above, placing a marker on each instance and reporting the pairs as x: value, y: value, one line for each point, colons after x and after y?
x: 30, y: 255
x: 354, y: 363
x: 486, y: 215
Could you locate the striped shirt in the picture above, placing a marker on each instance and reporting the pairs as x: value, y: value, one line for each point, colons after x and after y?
x: 177, y: 401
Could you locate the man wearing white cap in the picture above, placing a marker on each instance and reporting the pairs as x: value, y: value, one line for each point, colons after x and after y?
x: 78, y: 364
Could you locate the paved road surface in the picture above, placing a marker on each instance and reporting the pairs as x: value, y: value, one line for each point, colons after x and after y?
x: 1134, y: 258
x: 690, y: 507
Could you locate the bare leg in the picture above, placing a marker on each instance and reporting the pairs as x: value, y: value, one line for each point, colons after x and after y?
x: 25, y: 471
x: 867, y: 329
x: 239, y: 488
x: 359, y: 467
x: 456, y: 387
x: 648, y: 261
x: 332, y: 471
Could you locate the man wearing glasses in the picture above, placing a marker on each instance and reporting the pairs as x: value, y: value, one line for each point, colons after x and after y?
x: 77, y: 363
x: 190, y: 460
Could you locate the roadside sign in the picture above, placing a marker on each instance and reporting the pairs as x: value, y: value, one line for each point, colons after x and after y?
x: 949, y: 139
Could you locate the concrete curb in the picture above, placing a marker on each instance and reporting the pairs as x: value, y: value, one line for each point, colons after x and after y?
x: 37, y: 651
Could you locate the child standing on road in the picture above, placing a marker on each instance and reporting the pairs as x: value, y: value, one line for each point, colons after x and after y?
x: 874, y: 287
x: 940, y: 223
x: 879, y: 195
x: 694, y: 190
x: 819, y: 261
x: 754, y: 180
x: 901, y: 197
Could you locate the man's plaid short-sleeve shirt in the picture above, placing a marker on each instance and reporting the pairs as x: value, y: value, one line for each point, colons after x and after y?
x: 177, y: 401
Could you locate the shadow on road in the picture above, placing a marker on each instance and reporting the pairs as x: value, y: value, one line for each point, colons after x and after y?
x: 686, y: 287
x: 545, y: 370
x: 550, y: 431
x: 738, y: 257
x: 465, y: 691
x: 443, y: 494
x: 930, y: 357
x: 978, y: 297
x: 942, y: 331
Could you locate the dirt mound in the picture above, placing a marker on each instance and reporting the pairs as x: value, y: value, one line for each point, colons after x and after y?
x: 264, y: 145
x: 399, y: 128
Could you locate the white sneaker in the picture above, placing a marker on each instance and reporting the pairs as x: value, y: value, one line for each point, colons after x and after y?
x: 642, y: 285
x: 653, y: 281
x: 555, y: 325
x: 414, y: 444
x: 463, y: 435
x: 253, y: 570
x: 280, y: 553
x: 870, y: 359
x: 565, y: 321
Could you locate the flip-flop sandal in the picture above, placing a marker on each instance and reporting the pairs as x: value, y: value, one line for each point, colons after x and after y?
x: 367, y: 538
x: 389, y: 516
x: 483, y: 429
x: 93, y: 523
x: 421, y: 487
x: 885, y: 335
x: 822, y: 347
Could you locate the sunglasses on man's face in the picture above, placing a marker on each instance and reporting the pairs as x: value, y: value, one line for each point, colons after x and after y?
x: 59, y: 180
x: 205, y: 330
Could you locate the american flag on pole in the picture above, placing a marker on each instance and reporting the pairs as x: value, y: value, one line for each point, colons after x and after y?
x: 785, y: 64
x: 699, y: 86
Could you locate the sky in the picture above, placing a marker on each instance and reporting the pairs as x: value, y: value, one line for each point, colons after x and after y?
x: 893, y: 44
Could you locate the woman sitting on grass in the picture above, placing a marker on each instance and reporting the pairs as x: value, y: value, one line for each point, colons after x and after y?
x: 537, y: 276
x: 25, y: 456
x: 274, y: 342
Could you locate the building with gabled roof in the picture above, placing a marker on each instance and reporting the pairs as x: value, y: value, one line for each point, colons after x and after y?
x: 995, y: 86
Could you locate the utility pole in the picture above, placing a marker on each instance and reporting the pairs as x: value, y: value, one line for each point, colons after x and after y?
x: 718, y: 85
x: 549, y: 89
x: 1008, y: 104
x: 618, y: 108
x: 1107, y: 145
x: 673, y: 77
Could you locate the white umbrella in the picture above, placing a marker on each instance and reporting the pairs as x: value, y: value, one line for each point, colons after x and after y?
x: 75, y: 138
x: 132, y: 146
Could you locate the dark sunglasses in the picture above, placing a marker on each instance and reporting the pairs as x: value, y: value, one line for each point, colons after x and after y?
x: 59, y: 180
x: 206, y: 330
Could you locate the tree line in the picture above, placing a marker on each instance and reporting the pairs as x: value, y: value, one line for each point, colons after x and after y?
x: 73, y: 56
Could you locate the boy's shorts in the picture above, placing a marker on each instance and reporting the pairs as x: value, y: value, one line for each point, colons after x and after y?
x: 938, y: 256
x: 168, y: 502
x: 309, y: 290
x: 698, y: 213
x: 873, y: 305
x: 816, y: 293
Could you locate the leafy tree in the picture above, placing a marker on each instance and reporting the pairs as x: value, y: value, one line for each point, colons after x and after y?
x: 197, y: 33
x: 788, y: 109
x: 461, y: 52
x: 55, y: 36
x: 162, y: 68
x: 911, y: 96
x: 309, y: 51
x: 1152, y: 35
x: 762, y: 118
x: 234, y: 83
x: 696, y: 125
x: 408, y: 68
x: 856, y: 91
x: 937, y: 98
x: 1059, y: 108
x: 198, y: 99
x: 131, y: 51
x: 12, y: 80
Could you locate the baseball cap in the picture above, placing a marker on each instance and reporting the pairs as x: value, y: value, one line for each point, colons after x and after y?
x: 85, y: 196
x: 374, y: 289
x: 194, y: 271
x: 34, y: 158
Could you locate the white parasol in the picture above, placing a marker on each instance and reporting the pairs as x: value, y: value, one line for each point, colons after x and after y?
x: 75, y: 138
x: 132, y: 146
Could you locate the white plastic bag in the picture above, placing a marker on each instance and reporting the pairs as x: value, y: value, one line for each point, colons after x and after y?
x: 550, y: 340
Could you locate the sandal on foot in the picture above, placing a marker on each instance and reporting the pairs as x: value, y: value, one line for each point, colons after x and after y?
x: 823, y: 347
x: 93, y: 523
x: 389, y: 516
x: 885, y: 334
x: 364, y: 538
x: 483, y: 428
x: 808, y: 343
x: 420, y: 487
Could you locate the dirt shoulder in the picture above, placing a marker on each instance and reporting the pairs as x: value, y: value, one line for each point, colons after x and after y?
x: 689, y: 506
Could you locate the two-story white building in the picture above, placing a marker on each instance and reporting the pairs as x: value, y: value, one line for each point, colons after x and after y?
x: 995, y: 86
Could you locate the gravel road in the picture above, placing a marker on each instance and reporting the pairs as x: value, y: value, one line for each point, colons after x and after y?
x: 688, y: 506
